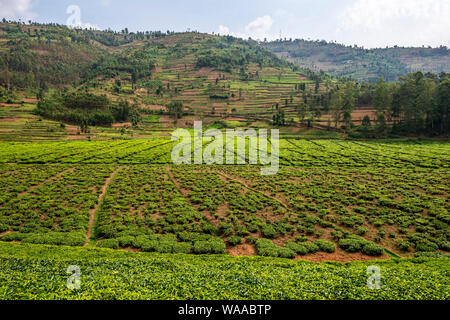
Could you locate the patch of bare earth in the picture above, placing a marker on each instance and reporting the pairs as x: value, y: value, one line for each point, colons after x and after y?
x: 9, y: 119
x: 122, y: 125
x: 76, y: 137
x: 340, y: 256
x: 153, y: 107
x: 5, y: 233
x: 30, y: 100
x: 242, y: 250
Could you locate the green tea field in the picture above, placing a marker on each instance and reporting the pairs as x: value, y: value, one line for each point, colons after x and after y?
x: 331, y: 199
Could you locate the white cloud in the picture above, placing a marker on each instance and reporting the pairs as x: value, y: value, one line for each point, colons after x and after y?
x: 377, y: 23
x: 257, y: 29
x: 16, y: 9
x: 223, y: 30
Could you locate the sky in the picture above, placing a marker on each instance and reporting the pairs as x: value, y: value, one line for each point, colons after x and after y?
x: 366, y: 23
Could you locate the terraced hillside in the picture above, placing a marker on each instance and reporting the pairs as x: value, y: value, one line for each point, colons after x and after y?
x: 219, y: 78
x: 359, y: 63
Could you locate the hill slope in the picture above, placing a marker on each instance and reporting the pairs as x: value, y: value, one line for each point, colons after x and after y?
x: 361, y: 64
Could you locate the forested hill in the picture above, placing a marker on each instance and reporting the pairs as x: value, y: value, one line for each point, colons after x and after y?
x: 35, y: 55
x: 359, y: 63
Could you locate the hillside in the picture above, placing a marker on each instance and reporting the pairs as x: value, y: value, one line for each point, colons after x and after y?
x: 221, y: 79
x: 359, y: 63
x: 156, y: 81
x: 90, y: 187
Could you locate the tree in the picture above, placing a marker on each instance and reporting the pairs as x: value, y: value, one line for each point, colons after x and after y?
x: 175, y: 109
x: 441, y: 112
x: 336, y: 105
x: 382, y: 98
x: 348, y: 103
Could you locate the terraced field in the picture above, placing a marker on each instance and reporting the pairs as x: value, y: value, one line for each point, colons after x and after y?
x: 331, y: 199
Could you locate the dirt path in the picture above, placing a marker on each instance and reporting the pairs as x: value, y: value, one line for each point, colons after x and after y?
x: 206, y: 214
x: 44, y: 182
x: 5, y: 233
x: 93, y: 211
x: 252, y: 189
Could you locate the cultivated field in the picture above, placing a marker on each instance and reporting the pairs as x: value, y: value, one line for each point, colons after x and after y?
x: 331, y: 200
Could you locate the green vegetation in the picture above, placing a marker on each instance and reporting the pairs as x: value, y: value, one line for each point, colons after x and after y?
x: 85, y: 110
x: 140, y: 227
x: 390, y: 197
x: 39, y: 272
x: 124, y: 77
x: 358, y: 63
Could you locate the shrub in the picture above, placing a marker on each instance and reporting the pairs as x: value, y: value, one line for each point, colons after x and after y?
x: 362, y: 230
x: 234, y: 240
x: 286, y: 253
x: 108, y: 243
x: 403, y: 245
x: 182, y: 247
x: 268, y: 231
x: 54, y: 238
x: 193, y: 236
x: 211, y: 246
x: 241, y: 231
x: 266, y: 248
x: 139, y: 241
x: 3, y: 227
x: 301, y: 239
x: 148, y: 245
x: 126, y: 241
x: 444, y: 245
x: 201, y: 247
x: 226, y: 228
x: 310, y: 246
x: 217, y: 246
x: 352, y: 244
x: 426, y: 246
x: 164, y: 246
x: 15, y: 236
x: 372, y: 249
x: 326, y: 246
x: 107, y: 231
x: 297, y: 248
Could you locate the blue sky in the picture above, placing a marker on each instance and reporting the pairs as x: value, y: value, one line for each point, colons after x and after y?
x: 369, y: 23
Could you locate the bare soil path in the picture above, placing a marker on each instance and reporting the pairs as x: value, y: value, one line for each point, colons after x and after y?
x: 44, y: 182
x: 93, y: 211
x: 206, y: 214
x: 243, y: 183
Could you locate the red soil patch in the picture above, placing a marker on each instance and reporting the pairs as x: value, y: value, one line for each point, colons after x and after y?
x: 9, y: 119
x: 340, y: 256
x: 242, y: 250
x: 154, y: 107
x: 76, y: 137
x: 122, y: 125
x: 30, y: 100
